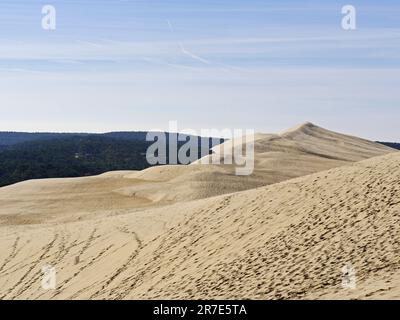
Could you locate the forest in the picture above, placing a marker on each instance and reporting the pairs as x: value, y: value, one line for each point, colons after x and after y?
x: 27, y: 156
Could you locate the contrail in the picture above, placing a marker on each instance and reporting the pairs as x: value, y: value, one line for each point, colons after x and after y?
x: 187, y: 52
x: 192, y: 55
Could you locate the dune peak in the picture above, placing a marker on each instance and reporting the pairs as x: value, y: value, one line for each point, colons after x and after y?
x: 301, y: 127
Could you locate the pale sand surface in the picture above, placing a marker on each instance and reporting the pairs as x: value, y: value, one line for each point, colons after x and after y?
x: 191, y: 232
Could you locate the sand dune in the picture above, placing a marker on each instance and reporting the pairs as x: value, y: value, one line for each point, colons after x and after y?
x: 297, y: 152
x: 286, y: 240
x: 302, y: 150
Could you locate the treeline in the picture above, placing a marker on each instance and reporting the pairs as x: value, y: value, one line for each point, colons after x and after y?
x: 393, y: 145
x: 11, y: 138
x: 72, y: 156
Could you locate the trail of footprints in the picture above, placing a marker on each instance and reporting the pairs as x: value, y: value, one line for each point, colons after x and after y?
x: 22, y: 279
x: 301, y: 258
x: 14, y: 252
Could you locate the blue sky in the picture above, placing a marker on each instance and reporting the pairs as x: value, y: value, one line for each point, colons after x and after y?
x: 267, y: 65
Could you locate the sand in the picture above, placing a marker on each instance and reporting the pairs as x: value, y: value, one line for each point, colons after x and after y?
x: 313, y: 206
x: 297, y: 152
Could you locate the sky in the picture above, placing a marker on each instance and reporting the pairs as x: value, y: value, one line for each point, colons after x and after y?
x: 250, y: 64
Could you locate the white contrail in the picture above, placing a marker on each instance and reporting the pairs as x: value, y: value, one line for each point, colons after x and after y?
x: 187, y: 52
x: 224, y: 67
x: 192, y: 55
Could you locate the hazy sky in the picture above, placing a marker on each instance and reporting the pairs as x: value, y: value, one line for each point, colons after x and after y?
x: 267, y: 65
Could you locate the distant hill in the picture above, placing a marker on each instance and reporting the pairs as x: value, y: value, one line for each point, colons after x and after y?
x: 393, y: 145
x: 11, y: 138
x: 68, y: 155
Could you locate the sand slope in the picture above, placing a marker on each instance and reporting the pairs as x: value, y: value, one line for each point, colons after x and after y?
x: 297, y: 152
x: 288, y: 240
x: 285, y: 240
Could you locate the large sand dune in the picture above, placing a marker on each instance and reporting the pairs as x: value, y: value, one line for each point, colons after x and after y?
x: 285, y: 240
x: 302, y: 150
x: 297, y: 152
